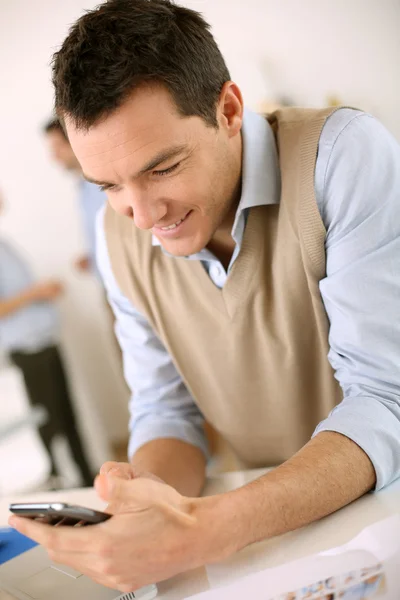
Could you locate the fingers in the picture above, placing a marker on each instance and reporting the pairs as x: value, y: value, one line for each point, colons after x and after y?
x: 107, y: 466
x: 112, y: 469
x: 57, y: 539
x: 82, y: 549
x: 118, y: 469
x: 112, y: 489
x: 126, y: 471
x: 124, y: 492
x: 101, y: 487
x: 137, y: 493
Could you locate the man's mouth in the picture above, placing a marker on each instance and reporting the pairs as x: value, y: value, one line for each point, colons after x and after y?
x: 172, y: 228
x: 173, y: 224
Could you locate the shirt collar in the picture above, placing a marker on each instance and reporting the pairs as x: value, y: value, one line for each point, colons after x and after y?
x: 260, y: 167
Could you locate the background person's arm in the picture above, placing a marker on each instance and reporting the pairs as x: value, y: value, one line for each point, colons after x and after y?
x: 48, y: 290
x: 11, y: 305
x: 166, y: 427
x: 83, y: 263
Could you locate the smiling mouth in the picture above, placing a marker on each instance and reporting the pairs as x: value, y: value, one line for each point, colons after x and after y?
x: 174, y: 225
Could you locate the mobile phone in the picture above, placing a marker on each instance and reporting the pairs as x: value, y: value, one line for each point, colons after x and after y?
x: 59, y: 513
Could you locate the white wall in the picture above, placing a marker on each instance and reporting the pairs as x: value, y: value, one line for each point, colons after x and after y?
x: 43, y: 217
x: 304, y: 49
x: 310, y: 49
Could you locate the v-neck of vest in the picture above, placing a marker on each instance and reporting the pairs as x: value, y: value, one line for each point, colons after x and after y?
x: 243, y: 275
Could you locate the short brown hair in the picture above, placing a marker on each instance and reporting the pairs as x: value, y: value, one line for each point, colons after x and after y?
x: 125, y: 43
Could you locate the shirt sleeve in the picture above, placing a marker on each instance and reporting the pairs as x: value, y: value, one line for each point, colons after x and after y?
x: 91, y: 200
x: 160, y: 405
x: 1, y: 270
x: 357, y: 183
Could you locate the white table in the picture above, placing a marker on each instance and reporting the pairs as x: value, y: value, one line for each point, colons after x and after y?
x: 327, y: 533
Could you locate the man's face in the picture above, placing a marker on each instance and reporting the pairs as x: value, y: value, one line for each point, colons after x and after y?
x: 61, y: 151
x: 173, y: 175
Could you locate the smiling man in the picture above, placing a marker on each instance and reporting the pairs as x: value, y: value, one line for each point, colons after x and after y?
x: 179, y: 178
x: 253, y: 267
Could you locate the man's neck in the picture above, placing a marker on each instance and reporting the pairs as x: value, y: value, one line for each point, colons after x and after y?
x: 222, y: 248
x: 222, y: 243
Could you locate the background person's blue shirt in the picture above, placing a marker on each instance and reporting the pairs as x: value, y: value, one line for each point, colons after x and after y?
x: 91, y: 200
x: 32, y: 327
x: 357, y: 187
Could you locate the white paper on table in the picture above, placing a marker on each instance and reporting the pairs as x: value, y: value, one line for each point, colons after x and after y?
x: 366, y: 568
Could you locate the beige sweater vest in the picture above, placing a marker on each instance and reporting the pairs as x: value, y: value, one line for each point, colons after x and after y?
x: 254, y: 354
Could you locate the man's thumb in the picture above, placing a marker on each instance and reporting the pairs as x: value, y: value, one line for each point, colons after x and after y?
x: 111, y: 489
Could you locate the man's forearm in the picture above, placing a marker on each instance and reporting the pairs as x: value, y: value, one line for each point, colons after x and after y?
x: 179, y: 464
x: 328, y: 473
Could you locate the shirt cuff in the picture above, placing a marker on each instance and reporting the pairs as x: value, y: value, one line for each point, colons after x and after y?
x: 144, y: 432
x: 374, y: 425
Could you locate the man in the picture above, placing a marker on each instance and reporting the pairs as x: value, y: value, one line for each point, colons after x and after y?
x: 91, y: 199
x: 29, y: 334
x: 233, y: 270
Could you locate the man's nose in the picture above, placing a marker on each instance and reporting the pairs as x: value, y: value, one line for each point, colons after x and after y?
x: 146, y: 211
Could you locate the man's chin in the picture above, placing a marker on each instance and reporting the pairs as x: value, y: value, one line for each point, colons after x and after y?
x: 181, y: 247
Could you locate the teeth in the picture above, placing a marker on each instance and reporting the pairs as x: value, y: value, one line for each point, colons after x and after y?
x: 172, y: 226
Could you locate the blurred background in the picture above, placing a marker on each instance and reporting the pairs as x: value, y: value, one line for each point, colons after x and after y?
x: 308, y: 52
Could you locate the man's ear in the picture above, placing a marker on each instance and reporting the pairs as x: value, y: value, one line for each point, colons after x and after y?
x: 230, y: 108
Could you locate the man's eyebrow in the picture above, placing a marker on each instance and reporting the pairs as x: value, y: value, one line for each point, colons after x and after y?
x: 162, y: 157
x: 95, y: 181
x: 158, y: 159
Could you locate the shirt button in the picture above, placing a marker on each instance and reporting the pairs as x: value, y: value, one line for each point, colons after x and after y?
x: 218, y: 275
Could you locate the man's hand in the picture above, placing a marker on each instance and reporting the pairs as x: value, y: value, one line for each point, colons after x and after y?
x: 120, y: 469
x: 156, y: 533
x: 153, y: 534
x: 83, y: 264
x: 46, y: 290
x: 123, y: 471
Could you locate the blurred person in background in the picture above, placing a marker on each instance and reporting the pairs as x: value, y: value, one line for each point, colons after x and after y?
x: 91, y: 200
x: 90, y: 197
x: 29, y: 335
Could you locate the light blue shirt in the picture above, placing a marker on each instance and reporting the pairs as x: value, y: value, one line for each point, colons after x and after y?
x: 91, y: 200
x: 32, y: 327
x: 357, y: 187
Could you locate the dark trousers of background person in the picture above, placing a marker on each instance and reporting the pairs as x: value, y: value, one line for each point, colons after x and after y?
x: 46, y: 385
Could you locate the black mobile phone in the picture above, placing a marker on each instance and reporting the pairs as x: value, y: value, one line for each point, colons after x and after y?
x: 59, y: 513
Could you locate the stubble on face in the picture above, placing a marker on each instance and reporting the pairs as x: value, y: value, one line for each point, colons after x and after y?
x: 204, y: 186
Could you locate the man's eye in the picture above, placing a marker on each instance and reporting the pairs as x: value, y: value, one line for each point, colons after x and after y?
x: 107, y: 187
x: 166, y: 171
